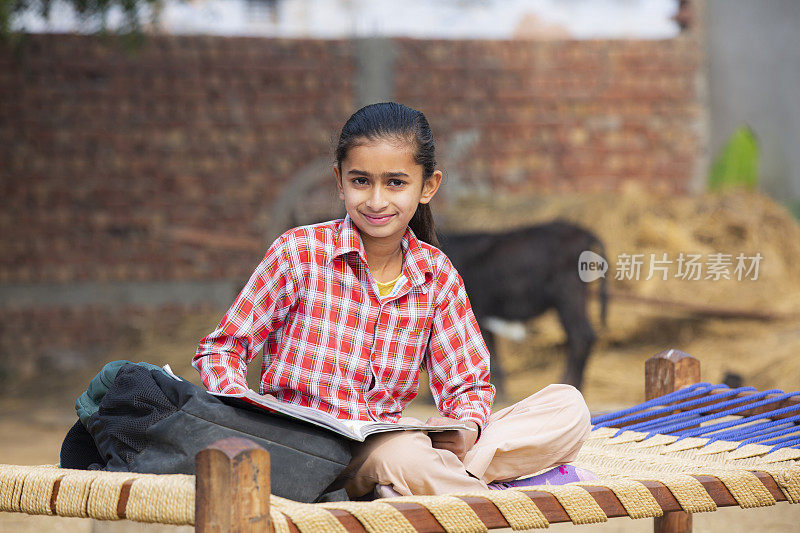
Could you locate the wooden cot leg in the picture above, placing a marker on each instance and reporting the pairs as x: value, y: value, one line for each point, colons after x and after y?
x: 232, y: 487
x: 667, y: 372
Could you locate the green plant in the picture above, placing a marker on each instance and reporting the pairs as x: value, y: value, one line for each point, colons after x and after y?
x: 736, y: 165
x: 794, y: 208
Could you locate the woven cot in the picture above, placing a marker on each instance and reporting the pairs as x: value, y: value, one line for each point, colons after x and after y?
x: 648, y: 458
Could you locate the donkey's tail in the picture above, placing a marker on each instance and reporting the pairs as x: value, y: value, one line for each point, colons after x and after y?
x: 597, y: 244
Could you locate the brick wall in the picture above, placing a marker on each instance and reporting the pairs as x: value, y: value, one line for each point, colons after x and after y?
x: 101, y: 152
x: 104, y: 154
x: 571, y: 115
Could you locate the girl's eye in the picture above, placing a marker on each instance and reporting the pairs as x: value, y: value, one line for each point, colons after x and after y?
x: 394, y: 182
x: 359, y: 181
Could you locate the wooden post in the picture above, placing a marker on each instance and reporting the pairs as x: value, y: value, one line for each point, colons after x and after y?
x: 232, y: 488
x: 667, y: 372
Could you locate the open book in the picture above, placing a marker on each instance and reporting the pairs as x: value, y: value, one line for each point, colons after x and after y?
x: 352, y: 429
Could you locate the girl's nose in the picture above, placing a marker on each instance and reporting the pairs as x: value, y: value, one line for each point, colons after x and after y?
x: 377, y: 199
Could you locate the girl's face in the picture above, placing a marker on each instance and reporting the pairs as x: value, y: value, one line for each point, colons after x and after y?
x: 381, y: 186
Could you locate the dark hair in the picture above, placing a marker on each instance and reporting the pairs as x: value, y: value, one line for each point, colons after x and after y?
x: 389, y: 120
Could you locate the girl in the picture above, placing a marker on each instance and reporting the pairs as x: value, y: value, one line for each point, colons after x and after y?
x: 347, y: 311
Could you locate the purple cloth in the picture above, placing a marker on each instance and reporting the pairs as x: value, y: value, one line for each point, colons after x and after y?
x: 559, y: 475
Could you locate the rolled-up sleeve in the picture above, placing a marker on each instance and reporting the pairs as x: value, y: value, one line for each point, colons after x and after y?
x: 457, y: 359
x: 260, y: 308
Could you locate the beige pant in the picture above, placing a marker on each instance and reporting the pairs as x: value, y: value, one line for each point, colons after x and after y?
x: 545, y: 429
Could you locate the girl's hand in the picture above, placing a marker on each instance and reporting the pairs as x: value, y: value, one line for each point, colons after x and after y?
x: 458, y: 441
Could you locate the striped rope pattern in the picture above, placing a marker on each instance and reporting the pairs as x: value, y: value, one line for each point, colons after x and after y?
x: 454, y: 514
x: 714, y: 412
x: 375, y: 516
x: 518, y: 509
x: 308, y: 518
x: 621, y: 460
x: 637, y: 500
x: 577, y: 502
x: 727, y: 447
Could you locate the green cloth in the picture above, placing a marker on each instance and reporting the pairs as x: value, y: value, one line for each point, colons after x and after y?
x: 88, y: 403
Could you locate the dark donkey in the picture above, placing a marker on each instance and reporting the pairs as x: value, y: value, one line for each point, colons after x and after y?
x: 519, y: 274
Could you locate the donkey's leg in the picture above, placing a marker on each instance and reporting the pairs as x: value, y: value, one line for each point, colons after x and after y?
x: 498, y: 374
x: 571, y: 306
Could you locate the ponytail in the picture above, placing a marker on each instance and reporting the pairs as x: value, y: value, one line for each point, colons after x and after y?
x: 422, y: 225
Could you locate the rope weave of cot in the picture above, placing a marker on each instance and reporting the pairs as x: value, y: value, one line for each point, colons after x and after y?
x: 691, y: 412
x: 665, y: 458
x: 623, y: 458
x: 634, y: 497
x: 49, y: 490
x: 454, y: 514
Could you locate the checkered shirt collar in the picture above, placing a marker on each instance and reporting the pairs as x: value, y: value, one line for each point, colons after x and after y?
x: 416, y: 268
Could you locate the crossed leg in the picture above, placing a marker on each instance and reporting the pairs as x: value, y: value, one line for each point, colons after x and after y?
x: 543, y: 430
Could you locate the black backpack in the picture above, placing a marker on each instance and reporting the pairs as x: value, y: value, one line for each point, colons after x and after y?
x: 150, y: 422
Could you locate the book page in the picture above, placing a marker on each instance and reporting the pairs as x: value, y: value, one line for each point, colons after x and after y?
x: 353, y: 429
x: 365, y: 428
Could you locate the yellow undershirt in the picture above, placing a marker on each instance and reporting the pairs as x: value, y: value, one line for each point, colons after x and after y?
x: 386, y: 288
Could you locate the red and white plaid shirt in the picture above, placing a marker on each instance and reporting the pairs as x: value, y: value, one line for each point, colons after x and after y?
x: 332, y: 343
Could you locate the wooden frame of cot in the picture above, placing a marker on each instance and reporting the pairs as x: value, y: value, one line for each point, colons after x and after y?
x: 232, y: 482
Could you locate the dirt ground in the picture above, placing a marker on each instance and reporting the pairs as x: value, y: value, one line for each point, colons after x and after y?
x: 763, y: 352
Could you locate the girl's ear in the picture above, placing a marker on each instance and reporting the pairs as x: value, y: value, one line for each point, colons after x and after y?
x: 430, y: 187
x: 338, y: 181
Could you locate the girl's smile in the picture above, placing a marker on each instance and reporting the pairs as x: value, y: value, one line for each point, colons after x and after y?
x: 378, y: 220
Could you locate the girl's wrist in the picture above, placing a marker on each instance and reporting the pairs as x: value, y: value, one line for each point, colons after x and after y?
x: 474, y: 425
